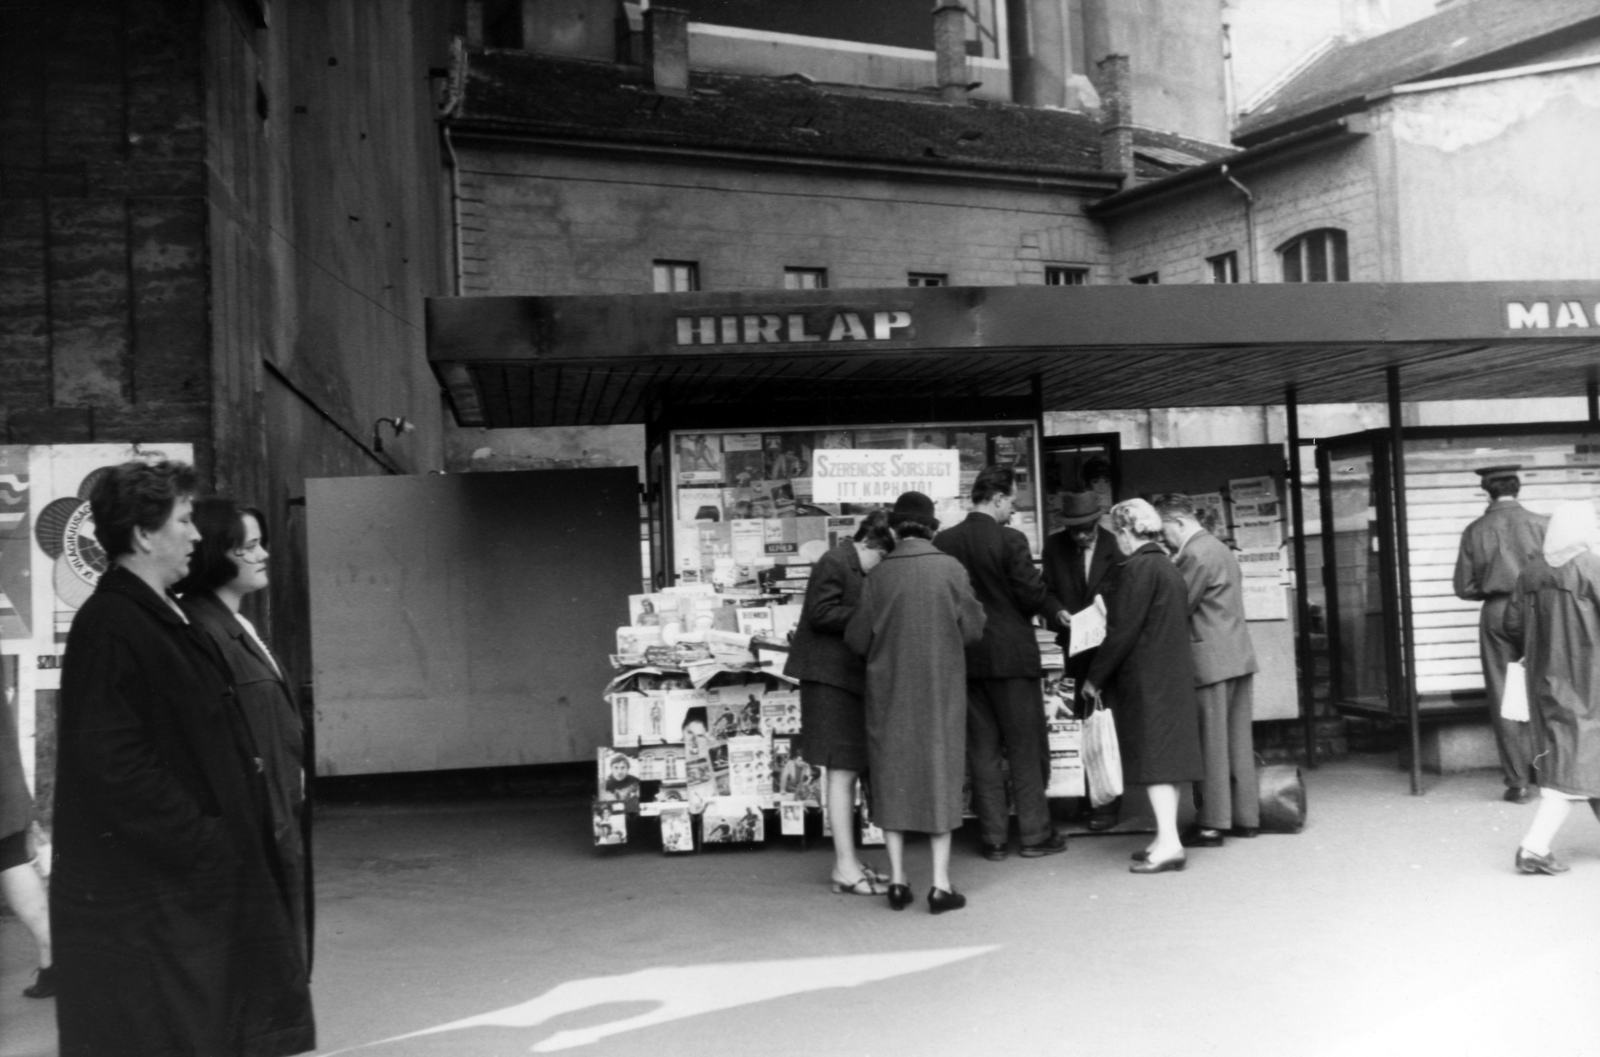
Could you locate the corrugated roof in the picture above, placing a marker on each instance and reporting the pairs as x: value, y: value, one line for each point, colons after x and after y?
x: 513, y: 91
x: 1466, y: 37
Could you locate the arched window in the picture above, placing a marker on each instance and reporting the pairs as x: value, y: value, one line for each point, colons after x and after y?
x: 1315, y: 257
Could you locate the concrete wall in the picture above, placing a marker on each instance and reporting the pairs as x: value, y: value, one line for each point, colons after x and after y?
x: 542, y: 222
x: 1496, y: 180
x: 1174, y: 49
x: 327, y: 224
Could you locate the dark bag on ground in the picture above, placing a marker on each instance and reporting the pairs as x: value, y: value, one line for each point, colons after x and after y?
x: 1283, y: 798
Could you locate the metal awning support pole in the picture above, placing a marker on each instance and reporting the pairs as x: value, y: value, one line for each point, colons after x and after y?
x: 1593, y: 392
x: 1402, y: 547
x: 1304, y: 661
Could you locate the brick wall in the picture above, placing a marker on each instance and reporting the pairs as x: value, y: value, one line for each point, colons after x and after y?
x: 544, y: 223
x: 103, y: 255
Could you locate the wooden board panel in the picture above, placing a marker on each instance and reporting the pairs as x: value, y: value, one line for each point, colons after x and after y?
x: 464, y: 620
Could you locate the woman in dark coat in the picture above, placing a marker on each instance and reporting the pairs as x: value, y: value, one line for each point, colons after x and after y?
x: 1554, y: 619
x: 168, y: 912
x: 916, y: 617
x: 833, y: 719
x: 229, y: 563
x: 1146, y: 669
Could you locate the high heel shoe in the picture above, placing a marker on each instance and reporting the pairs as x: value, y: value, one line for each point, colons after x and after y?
x: 1175, y: 864
x: 939, y: 900
x: 900, y: 897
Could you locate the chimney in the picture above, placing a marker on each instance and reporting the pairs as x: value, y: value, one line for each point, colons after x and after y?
x: 666, y: 49
x: 1116, y: 116
x: 950, y: 49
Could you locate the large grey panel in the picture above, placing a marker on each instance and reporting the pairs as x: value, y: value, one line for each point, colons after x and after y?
x: 464, y: 620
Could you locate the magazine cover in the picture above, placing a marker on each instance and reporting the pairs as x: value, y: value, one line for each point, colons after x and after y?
x: 780, y: 712
x: 800, y: 781
x: 788, y: 455
x: 835, y: 440
x: 792, y: 818
x: 645, y: 611
x: 677, y: 830
x: 733, y: 820
x: 619, y: 777
x: 974, y: 450
x: 699, y: 504
x: 883, y: 439
x: 780, y: 535
x: 781, y: 494
x: 610, y: 823
x: 699, y: 458
x: 784, y: 621
x: 633, y: 642
x: 1066, y: 758
x: 930, y: 439
x: 661, y: 763
x: 683, y: 715
x: 749, y: 766
x: 781, y: 748
x: 755, y: 620
x: 743, y: 462
x: 1011, y: 450
x: 627, y: 715
x: 719, y: 768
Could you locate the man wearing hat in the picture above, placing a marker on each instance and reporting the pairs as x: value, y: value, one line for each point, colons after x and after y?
x: 1494, y: 550
x: 1005, y: 703
x: 1078, y: 564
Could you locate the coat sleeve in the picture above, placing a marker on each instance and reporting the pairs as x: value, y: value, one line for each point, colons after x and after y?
x: 1028, y: 589
x: 970, y: 614
x: 1514, y: 622
x: 858, y: 630
x: 118, y: 767
x: 1127, y: 608
x: 1466, y: 578
x: 825, y: 606
x: 1198, y: 577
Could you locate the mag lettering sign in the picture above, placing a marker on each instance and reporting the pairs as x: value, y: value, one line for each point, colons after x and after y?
x: 866, y: 475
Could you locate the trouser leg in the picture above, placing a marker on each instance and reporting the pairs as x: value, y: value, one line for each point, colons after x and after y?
x: 983, y: 761
x: 1514, y: 739
x: 1019, y: 708
x: 1242, y: 752
x: 1216, y: 799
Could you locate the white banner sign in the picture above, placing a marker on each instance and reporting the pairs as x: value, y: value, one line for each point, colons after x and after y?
x: 868, y: 475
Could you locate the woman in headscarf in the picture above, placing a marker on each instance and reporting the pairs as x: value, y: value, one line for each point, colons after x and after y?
x: 916, y: 617
x: 1554, y: 619
x: 833, y: 716
x: 1145, y: 668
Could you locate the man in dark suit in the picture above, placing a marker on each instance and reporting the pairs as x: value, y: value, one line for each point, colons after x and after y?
x: 1494, y: 550
x: 1078, y: 564
x: 1224, y: 673
x: 1005, y: 704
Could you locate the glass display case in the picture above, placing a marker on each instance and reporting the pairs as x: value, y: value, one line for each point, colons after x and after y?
x: 745, y: 500
x: 1367, y: 581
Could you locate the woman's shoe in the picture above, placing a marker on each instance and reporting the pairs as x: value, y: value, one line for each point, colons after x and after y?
x: 864, y: 887
x: 900, y: 897
x: 875, y: 876
x: 44, y: 985
x: 1528, y: 862
x: 1148, y: 866
x: 939, y: 900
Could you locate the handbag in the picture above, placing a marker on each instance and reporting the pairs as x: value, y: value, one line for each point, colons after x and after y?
x: 1102, y: 757
x: 1282, y: 796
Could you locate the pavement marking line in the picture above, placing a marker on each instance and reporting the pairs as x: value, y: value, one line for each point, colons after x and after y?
x: 688, y: 990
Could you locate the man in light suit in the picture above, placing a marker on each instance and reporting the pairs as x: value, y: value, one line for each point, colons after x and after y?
x: 1005, y: 703
x: 1078, y: 562
x: 1494, y: 549
x: 1224, y: 669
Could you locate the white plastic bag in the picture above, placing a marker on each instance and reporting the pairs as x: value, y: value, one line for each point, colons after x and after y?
x: 1514, y: 701
x: 1102, y: 757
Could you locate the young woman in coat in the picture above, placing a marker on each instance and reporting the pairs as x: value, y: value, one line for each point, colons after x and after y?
x: 170, y: 921
x: 1145, y: 669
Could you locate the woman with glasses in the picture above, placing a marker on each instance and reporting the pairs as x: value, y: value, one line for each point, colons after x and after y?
x: 230, y: 562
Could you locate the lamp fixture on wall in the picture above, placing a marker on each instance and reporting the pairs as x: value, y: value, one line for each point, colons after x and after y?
x: 400, y: 424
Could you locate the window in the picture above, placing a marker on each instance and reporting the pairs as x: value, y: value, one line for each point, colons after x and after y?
x: 1316, y: 257
x: 1224, y: 267
x: 1147, y: 279
x: 676, y: 277
x: 1064, y: 275
x: 927, y: 279
x: 805, y: 278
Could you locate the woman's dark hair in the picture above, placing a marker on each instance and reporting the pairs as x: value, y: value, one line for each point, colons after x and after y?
x: 874, y: 531
x: 221, y: 525
x: 137, y: 495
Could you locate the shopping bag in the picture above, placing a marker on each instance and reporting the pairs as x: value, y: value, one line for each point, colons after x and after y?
x: 1102, y: 757
x: 1514, y: 701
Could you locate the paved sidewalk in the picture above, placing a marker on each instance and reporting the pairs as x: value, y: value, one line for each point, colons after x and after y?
x: 1393, y: 925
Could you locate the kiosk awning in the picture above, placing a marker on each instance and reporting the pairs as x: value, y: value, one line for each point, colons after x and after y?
x: 545, y: 361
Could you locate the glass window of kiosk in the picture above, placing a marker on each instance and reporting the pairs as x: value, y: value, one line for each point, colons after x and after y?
x: 1443, y: 495
x: 747, y: 500
x: 1085, y: 462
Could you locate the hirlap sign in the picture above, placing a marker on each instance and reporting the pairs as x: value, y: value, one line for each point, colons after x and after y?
x: 871, y: 475
x: 794, y: 328
x: 1552, y: 314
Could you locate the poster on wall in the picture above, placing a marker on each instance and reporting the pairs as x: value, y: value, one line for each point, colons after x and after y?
x: 50, y: 564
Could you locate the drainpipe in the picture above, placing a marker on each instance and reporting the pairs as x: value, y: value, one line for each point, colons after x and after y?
x: 455, y: 206
x: 1249, y: 221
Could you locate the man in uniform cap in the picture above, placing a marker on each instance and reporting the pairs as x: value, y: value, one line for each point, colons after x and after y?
x: 1494, y: 550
